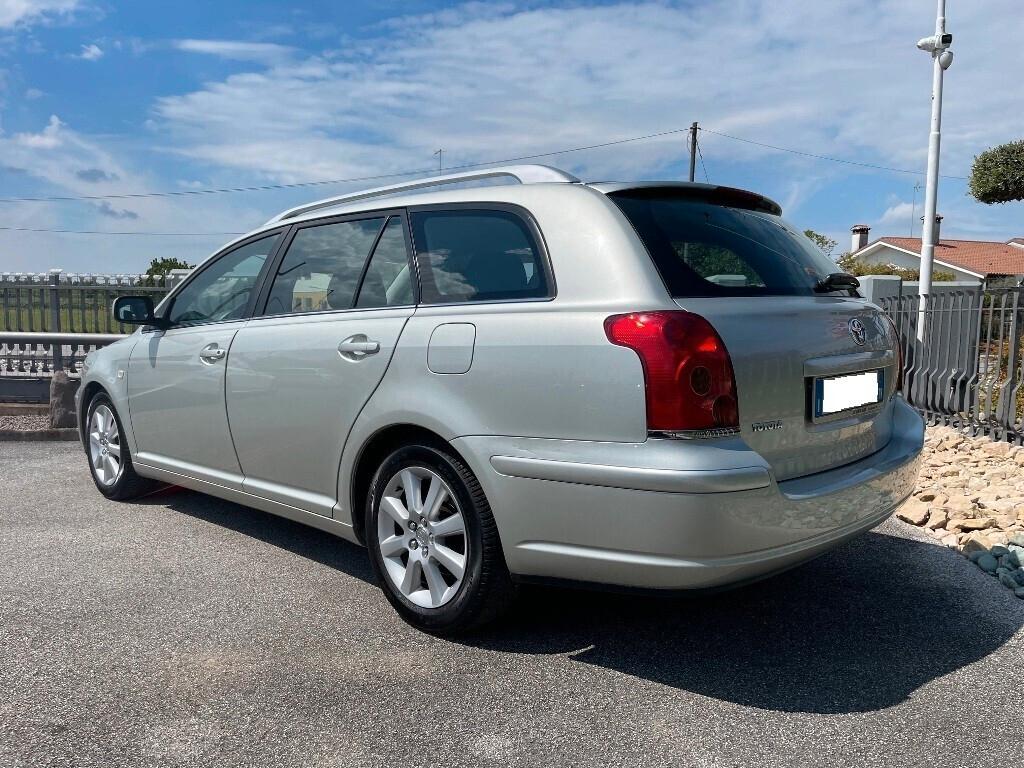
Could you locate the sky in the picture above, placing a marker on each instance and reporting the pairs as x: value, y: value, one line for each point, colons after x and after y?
x: 100, y: 98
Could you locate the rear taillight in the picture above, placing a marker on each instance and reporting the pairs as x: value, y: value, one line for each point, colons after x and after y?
x: 689, y: 376
x: 899, y: 353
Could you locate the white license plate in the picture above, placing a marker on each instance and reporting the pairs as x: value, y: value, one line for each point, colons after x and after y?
x: 835, y: 394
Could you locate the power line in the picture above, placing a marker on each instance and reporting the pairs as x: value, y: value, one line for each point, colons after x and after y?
x: 300, y: 184
x: 98, y: 232
x: 464, y: 166
x: 701, y: 156
x: 398, y: 174
x: 824, y: 157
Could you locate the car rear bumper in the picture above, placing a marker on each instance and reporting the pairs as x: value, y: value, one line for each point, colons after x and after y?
x: 672, y: 514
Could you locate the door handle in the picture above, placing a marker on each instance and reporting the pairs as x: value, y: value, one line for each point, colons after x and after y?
x: 357, y: 347
x: 212, y: 353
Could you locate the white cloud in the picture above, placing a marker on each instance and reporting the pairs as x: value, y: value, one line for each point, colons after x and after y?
x: 48, y: 138
x: 899, y: 215
x: 59, y: 158
x: 91, y: 52
x: 235, y: 49
x: 33, y: 93
x: 486, y: 81
x: 493, y: 80
x: 15, y: 12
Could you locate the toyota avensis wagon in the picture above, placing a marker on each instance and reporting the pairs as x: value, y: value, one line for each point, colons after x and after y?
x: 654, y: 385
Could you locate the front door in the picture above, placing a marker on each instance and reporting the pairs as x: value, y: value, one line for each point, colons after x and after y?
x: 176, y: 377
x: 299, y: 375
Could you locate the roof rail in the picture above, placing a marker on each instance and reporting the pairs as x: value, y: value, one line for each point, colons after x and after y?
x: 524, y: 174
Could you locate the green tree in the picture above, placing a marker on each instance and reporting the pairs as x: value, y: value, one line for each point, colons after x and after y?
x: 160, y: 268
x: 824, y: 242
x: 997, y: 175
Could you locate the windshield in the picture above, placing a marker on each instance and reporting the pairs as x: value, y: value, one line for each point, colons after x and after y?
x: 702, y: 249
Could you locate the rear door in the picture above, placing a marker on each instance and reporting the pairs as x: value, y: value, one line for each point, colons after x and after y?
x: 757, y: 280
x: 780, y: 348
x: 176, y: 377
x: 300, y: 372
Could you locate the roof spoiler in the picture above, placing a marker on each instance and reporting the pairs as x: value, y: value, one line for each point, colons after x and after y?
x: 707, y: 193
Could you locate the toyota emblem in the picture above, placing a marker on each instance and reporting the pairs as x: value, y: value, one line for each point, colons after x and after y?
x: 857, y: 332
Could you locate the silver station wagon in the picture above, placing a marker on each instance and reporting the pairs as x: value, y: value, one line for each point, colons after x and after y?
x: 654, y: 385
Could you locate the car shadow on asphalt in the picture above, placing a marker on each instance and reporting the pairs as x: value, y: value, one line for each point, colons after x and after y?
x: 856, y: 630
x: 289, y: 535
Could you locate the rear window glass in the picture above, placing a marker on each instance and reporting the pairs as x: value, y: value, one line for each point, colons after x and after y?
x: 712, y: 250
x: 476, y: 255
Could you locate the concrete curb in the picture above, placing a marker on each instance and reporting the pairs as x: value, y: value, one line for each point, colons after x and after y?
x: 24, y: 409
x: 38, y: 435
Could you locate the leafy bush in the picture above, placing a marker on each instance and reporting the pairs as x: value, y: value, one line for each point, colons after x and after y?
x: 856, y: 267
x: 997, y: 175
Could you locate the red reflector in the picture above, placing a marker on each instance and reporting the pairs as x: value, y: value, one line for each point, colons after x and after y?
x: 689, y: 376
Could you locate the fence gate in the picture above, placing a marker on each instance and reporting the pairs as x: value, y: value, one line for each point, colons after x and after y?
x: 967, y: 372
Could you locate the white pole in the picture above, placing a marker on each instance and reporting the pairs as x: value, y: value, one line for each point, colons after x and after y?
x: 932, y: 180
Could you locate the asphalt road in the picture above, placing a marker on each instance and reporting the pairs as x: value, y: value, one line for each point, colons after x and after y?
x: 188, y: 631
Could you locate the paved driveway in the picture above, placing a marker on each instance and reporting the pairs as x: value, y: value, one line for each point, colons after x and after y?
x: 188, y: 631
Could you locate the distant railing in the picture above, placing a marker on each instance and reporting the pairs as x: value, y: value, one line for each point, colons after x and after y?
x: 28, y: 360
x: 968, y: 371
x: 61, y: 302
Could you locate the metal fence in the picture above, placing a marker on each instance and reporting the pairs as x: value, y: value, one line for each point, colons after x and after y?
x: 967, y: 373
x: 56, y: 302
x: 51, y: 321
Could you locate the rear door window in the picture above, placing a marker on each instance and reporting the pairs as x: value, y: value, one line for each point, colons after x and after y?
x: 701, y: 249
x: 477, y: 255
x: 321, y: 270
x: 388, y: 279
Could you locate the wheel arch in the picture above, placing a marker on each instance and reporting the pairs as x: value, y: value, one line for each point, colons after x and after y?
x: 89, y: 391
x: 373, y: 451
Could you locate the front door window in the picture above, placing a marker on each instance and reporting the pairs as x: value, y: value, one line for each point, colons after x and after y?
x: 222, y: 291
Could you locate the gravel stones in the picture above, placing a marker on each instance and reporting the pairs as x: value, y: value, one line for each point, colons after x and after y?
x: 970, y: 497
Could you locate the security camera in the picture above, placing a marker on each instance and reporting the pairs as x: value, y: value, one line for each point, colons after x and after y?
x: 945, y: 59
x: 935, y: 42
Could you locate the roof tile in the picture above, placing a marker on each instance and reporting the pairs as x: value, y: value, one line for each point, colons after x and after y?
x: 981, y: 256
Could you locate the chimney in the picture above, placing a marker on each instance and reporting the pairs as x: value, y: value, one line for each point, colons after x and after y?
x: 938, y: 224
x: 860, y: 237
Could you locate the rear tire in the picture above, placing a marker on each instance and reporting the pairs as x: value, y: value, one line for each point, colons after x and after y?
x: 433, y: 542
x: 110, y: 461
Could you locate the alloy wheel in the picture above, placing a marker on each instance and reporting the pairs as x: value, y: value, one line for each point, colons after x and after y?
x: 105, y: 445
x: 421, y: 534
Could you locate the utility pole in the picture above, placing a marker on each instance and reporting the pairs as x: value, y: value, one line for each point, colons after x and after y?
x: 440, y: 160
x: 693, y: 149
x: 942, y: 57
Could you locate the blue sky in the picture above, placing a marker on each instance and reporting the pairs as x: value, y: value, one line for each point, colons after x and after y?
x: 106, y: 98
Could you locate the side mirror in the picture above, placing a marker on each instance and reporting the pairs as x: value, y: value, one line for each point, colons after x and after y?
x: 136, y: 310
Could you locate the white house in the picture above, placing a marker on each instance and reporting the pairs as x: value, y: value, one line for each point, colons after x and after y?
x: 971, y: 260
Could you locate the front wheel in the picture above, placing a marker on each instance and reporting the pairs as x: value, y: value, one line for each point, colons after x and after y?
x: 110, y: 460
x: 433, y: 542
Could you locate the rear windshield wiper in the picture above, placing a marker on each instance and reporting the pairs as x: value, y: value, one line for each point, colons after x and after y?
x: 837, y: 281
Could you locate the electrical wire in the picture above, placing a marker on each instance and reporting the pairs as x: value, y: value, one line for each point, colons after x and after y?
x: 824, y: 157
x: 300, y: 184
x: 464, y: 166
x: 700, y: 154
x: 399, y: 174
x: 98, y: 232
